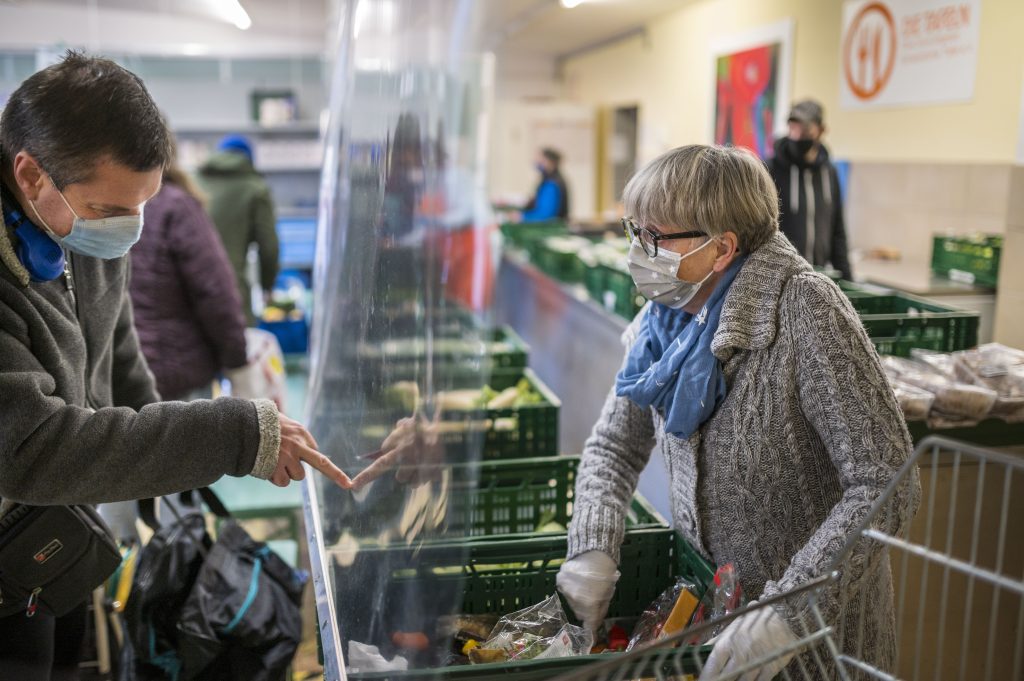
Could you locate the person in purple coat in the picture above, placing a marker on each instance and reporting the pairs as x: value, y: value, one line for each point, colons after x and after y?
x: 187, y: 311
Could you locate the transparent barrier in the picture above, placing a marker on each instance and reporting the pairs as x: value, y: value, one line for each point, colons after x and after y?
x: 400, y: 332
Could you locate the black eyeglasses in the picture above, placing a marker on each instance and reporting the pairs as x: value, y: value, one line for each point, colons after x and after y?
x: 649, y: 240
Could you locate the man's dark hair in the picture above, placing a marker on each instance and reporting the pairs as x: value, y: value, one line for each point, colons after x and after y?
x: 72, y: 114
x: 552, y: 155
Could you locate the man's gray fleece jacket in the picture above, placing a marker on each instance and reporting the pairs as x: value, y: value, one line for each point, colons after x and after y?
x: 82, y: 421
x: 807, y: 438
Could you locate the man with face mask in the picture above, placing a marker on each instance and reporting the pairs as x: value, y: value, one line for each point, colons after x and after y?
x: 551, y: 199
x: 809, y: 195
x: 82, y: 148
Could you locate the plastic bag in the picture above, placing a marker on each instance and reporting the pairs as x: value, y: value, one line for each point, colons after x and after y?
x: 914, y: 402
x: 722, y: 598
x: 242, y: 618
x: 998, y: 368
x: 728, y: 591
x: 264, y: 375
x: 538, y: 632
x: 941, y: 362
x: 952, y: 398
x: 363, y: 658
x: 667, y: 615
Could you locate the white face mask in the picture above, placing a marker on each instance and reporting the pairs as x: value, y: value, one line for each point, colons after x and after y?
x: 655, y: 277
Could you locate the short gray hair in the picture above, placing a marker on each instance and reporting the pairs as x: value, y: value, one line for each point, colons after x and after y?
x: 712, y: 189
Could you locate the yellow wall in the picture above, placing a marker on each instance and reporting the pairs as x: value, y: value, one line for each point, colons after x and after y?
x: 669, y: 74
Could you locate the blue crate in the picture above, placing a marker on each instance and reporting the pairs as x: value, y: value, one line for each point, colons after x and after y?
x: 292, y: 334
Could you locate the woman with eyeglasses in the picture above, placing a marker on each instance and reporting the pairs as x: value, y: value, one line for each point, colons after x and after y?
x: 777, y: 425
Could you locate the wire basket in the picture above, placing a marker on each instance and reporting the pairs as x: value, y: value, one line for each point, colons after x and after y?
x: 957, y: 571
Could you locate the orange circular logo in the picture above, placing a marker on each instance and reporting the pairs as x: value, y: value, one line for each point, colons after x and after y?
x: 869, y: 50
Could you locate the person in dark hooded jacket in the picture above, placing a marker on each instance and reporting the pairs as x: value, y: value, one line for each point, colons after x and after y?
x: 243, y: 212
x: 809, y: 195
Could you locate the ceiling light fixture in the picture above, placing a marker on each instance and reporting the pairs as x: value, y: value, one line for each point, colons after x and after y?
x: 569, y: 4
x: 233, y: 11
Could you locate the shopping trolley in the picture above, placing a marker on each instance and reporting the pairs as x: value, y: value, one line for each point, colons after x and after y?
x: 958, y: 583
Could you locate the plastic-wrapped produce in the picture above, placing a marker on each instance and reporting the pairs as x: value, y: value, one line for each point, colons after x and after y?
x: 538, y: 632
x: 998, y: 368
x: 952, y: 398
x: 668, y: 614
x: 915, y: 403
x: 941, y: 362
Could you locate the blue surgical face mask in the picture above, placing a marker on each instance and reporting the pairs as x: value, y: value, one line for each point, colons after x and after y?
x: 105, y: 238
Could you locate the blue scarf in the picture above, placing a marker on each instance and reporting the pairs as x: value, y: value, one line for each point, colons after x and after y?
x: 671, y: 366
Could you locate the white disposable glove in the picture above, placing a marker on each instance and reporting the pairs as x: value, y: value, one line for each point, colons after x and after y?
x: 749, y: 638
x: 588, y: 583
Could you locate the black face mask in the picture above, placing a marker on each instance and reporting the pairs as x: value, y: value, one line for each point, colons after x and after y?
x: 799, y: 148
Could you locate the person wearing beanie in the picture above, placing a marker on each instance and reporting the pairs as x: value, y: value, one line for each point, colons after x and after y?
x: 243, y: 212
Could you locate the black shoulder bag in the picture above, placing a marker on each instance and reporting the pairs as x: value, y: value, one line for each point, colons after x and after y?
x: 52, y: 557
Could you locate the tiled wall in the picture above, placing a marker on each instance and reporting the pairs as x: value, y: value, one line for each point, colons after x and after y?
x: 1010, y: 297
x: 901, y: 205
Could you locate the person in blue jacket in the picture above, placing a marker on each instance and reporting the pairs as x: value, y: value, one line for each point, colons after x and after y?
x: 551, y: 199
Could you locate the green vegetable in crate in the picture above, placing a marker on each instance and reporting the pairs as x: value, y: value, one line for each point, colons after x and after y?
x: 503, y: 400
x: 459, y: 400
x: 527, y: 395
x: 406, y: 393
x: 487, y: 394
x: 403, y: 395
x: 547, y: 523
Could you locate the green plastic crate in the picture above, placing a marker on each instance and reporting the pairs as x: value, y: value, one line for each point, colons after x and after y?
x: 447, y: 321
x: 594, y: 282
x: 988, y: 433
x: 564, y: 266
x: 535, y: 429
x: 502, y: 349
x: 501, y: 578
x: 624, y: 299
x: 975, y: 260
x: 849, y: 286
x: 897, y: 323
x: 527, y: 236
x: 505, y: 500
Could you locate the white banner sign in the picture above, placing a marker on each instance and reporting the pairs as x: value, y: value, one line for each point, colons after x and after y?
x: 908, y: 52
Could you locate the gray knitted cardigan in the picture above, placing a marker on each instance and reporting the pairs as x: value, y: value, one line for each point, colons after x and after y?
x: 807, y: 438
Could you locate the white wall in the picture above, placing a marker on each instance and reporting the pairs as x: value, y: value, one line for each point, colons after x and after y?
x: 522, y: 127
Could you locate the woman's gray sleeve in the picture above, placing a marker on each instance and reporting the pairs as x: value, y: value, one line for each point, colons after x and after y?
x: 613, y: 458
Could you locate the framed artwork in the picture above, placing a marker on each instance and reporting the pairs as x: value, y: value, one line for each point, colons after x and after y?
x: 752, y: 87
